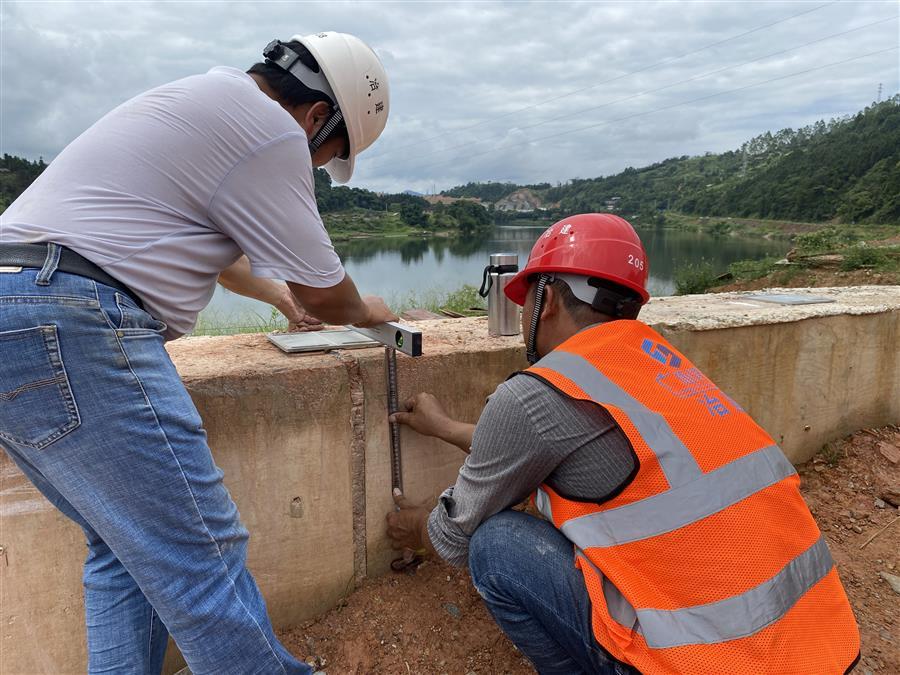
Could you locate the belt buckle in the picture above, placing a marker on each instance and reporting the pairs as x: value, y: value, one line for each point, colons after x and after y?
x: 9, y: 269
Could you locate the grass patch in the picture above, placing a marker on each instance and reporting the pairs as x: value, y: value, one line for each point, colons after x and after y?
x: 357, y: 222
x: 695, y: 278
x: 748, y: 270
x: 464, y: 300
x: 832, y: 454
x: 724, y: 225
x: 785, y: 276
x: 219, y: 323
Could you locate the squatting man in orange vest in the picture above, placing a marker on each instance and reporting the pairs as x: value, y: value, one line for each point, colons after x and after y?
x: 674, y: 538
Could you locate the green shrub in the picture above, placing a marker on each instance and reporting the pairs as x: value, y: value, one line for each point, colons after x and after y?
x: 719, y: 228
x: 694, y: 278
x: 859, y: 257
x: 825, y: 240
x: 463, y: 299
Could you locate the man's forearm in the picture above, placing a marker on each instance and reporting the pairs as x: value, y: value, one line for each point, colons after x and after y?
x: 458, y: 434
x: 338, y: 304
x: 239, y: 279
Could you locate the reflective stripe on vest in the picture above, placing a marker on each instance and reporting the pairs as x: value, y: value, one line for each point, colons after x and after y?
x: 727, y: 619
x: 667, y: 511
x: 677, y: 463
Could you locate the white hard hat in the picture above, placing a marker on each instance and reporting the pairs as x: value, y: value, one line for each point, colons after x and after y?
x: 360, y: 86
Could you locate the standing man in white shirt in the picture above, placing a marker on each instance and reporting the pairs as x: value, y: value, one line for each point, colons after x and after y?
x: 116, y: 248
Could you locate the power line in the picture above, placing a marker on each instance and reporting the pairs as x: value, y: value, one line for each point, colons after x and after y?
x: 668, y: 86
x: 614, y: 79
x: 668, y: 107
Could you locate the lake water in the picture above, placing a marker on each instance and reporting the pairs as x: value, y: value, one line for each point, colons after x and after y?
x: 402, y: 268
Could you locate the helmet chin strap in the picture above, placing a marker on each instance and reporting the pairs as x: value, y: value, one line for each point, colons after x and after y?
x: 531, y: 343
x: 325, y: 130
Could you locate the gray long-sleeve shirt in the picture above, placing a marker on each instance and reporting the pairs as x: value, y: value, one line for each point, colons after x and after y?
x: 528, y: 434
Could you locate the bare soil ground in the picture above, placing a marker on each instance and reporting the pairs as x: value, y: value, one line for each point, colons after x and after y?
x: 432, y: 621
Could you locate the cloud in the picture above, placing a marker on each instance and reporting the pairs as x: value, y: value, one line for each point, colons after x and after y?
x: 529, y: 92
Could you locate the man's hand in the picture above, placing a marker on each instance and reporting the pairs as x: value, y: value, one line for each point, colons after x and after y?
x: 299, y: 319
x: 426, y: 415
x: 408, y: 526
x: 377, y: 312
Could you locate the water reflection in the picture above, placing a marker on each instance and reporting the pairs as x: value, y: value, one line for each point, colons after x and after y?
x: 398, y: 265
x: 395, y: 267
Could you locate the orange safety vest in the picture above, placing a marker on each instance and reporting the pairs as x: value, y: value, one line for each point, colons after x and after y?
x: 709, y: 560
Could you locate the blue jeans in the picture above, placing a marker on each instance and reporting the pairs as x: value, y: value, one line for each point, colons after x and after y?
x: 524, y: 569
x: 95, y: 415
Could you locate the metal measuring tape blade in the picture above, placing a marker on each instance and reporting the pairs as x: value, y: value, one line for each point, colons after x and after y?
x: 393, y: 404
x: 395, y: 337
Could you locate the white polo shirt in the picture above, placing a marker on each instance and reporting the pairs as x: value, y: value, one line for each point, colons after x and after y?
x: 168, y: 189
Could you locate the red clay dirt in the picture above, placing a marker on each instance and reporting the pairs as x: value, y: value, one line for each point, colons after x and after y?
x: 432, y: 621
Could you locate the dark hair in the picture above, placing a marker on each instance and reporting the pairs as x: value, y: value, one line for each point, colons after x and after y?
x: 289, y: 89
x: 581, y: 312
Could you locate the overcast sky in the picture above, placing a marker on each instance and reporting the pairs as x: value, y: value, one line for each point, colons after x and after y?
x: 526, y: 92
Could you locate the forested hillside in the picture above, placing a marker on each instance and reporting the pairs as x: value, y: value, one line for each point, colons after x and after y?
x: 846, y: 169
x: 490, y: 192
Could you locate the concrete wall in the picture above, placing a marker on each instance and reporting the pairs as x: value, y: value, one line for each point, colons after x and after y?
x: 303, y: 443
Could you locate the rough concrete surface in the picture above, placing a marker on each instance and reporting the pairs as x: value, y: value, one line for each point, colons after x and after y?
x: 303, y: 442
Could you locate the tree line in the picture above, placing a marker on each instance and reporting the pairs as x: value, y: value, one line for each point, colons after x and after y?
x: 16, y: 174
x: 846, y: 169
x: 465, y: 216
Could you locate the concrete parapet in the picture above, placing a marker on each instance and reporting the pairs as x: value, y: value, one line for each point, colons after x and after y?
x: 303, y: 442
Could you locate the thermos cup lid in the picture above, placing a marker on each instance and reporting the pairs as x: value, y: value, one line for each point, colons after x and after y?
x: 504, y: 259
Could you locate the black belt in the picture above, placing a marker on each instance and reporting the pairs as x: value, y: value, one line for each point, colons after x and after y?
x: 34, y: 255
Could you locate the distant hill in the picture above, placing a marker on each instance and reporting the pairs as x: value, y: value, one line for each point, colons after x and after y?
x: 846, y: 169
x: 490, y: 192
x: 523, y: 200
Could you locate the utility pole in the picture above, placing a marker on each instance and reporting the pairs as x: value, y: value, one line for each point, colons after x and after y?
x: 878, y: 100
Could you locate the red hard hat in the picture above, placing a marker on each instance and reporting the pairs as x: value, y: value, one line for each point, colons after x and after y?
x: 593, y: 245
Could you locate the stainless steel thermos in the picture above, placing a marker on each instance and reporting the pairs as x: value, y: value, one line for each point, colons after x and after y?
x: 503, y: 314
